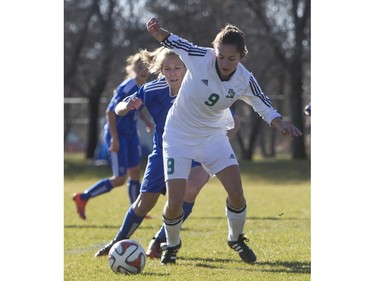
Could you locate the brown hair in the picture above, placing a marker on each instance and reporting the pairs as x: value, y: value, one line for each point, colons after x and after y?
x: 231, y: 34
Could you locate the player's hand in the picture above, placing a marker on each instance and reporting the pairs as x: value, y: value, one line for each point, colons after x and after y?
x: 290, y: 130
x: 115, y: 145
x: 149, y: 126
x: 153, y: 26
x: 133, y: 104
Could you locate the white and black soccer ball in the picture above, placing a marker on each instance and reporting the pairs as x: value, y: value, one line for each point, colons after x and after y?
x: 127, y: 256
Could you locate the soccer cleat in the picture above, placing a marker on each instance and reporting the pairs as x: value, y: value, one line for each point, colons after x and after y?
x: 170, y: 254
x: 105, y: 250
x: 154, y: 250
x: 246, y: 254
x: 80, y: 205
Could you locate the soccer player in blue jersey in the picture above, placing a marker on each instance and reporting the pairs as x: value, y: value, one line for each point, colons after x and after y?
x: 121, y: 139
x: 193, y: 130
x: 157, y: 96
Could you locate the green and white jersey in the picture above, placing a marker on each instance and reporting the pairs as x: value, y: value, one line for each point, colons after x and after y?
x: 200, y: 107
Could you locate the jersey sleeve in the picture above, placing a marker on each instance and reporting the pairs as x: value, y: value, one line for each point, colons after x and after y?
x: 189, y: 53
x: 259, y: 101
x: 118, y: 95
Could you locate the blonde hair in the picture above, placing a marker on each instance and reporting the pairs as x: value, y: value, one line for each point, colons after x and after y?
x: 131, y: 61
x: 154, y: 60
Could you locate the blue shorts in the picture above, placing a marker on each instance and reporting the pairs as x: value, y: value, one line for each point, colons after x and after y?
x: 128, y: 156
x: 153, y: 179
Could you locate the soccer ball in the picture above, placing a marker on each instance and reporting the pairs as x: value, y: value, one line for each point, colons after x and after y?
x: 127, y: 256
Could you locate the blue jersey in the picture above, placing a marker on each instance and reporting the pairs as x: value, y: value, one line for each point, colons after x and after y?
x: 156, y: 97
x: 125, y: 125
x: 129, y: 153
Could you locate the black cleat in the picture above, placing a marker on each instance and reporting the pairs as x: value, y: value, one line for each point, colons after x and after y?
x: 169, y: 254
x: 105, y: 250
x: 246, y: 254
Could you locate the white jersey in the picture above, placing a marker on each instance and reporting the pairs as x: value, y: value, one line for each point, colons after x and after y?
x: 200, y: 109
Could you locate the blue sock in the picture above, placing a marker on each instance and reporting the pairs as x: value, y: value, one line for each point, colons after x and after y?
x: 187, y: 207
x: 129, y: 225
x: 133, y: 190
x: 98, y: 188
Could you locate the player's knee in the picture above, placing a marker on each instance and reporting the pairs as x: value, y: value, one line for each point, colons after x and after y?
x: 191, y: 193
x: 134, y: 173
x: 174, y: 209
x: 236, y: 198
x: 141, y: 208
x: 117, y: 181
x: 144, y: 204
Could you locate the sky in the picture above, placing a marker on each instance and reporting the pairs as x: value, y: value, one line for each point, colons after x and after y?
x: 31, y: 56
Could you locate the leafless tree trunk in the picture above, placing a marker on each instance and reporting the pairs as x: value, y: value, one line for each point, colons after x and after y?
x: 300, y: 11
x: 107, y: 22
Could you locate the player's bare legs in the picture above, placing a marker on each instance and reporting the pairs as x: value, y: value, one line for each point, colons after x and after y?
x: 236, y: 212
x: 173, y: 216
x: 117, y: 180
x: 231, y: 180
x: 134, y: 173
x: 144, y: 203
x: 197, y: 179
x: 173, y: 206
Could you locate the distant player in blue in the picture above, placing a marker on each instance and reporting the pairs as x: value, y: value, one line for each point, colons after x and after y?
x: 122, y: 141
x: 157, y: 96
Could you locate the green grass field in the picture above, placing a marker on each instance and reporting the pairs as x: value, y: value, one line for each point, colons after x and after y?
x: 278, y: 226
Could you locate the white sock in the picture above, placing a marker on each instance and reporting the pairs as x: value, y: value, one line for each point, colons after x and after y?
x: 236, y: 221
x: 172, y: 230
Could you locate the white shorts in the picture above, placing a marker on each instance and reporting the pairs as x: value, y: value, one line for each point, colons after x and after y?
x: 214, y: 153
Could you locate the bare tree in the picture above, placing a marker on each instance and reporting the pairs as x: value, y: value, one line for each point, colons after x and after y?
x: 75, y: 34
x: 98, y: 36
x: 292, y: 55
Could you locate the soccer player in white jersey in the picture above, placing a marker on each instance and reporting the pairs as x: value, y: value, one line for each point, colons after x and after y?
x: 214, y: 81
x: 197, y: 178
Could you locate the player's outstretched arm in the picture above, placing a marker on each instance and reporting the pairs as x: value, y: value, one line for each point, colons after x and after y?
x: 154, y: 28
